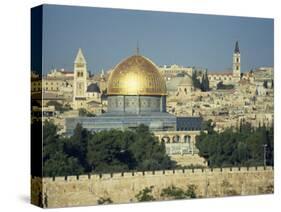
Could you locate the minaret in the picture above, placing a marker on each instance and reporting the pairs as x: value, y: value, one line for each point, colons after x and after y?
x: 80, y: 80
x: 236, y: 64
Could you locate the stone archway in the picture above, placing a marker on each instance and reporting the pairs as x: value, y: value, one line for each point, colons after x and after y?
x: 187, y: 146
x: 187, y: 139
x: 165, y: 139
x: 176, y: 139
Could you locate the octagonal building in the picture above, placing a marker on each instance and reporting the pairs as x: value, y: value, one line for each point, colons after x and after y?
x: 136, y: 87
x: 136, y: 94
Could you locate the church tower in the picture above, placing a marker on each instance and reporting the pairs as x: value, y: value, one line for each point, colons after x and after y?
x: 236, y: 64
x: 80, y: 80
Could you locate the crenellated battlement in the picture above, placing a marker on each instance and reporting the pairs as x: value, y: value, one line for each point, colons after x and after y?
x: 118, y: 175
x: 124, y: 186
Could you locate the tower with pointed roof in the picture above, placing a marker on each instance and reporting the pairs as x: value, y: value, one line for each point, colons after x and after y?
x: 236, y: 64
x: 80, y: 80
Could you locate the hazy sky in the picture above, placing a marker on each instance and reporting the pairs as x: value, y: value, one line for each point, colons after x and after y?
x: 107, y: 36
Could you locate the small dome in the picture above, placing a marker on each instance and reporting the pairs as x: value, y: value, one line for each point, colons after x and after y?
x: 186, y: 81
x: 94, y: 88
x: 136, y: 75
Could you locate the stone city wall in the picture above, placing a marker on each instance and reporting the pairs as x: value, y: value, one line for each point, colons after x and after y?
x: 123, y: 187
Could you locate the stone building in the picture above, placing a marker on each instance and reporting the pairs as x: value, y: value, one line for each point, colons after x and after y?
x: 228, y: 77
x: 136, y: 94
x: 185, y: 87
x: 75, y: 88
x: 170, y: 71
x: 55, y: 81
x: 86, y: 93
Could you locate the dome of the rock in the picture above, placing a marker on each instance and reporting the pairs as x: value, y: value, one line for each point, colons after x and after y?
x: 136, y: 75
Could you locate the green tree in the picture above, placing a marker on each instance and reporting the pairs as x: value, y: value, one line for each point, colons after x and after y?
x: 208, y: 126
x: 234, y: 147
x: 148, y: 152
x: 145, y: 195
x: 105, y: 151
x: 195, y: 81
x: 55, y: 161
x: 62, y: 165
x: 242, y: 152
x: 76, y: 145
x: 190, y: 192
x: 173, y: 192
x: 116, y: 150
x: 205, y: 82
x: 51, y: 140
x: 102, y: 201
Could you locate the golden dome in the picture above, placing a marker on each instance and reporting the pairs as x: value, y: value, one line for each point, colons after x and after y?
x: 136, y: 75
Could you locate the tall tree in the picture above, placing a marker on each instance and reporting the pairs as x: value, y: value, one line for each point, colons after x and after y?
x: 55, y: 161
x: 105, y: 151
x: 195, y: 81
x: 76, y: 145
x: 233, y: 147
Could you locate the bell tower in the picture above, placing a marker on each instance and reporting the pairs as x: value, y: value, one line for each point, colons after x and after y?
x: 80, y: 80
x: 236, y: 63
